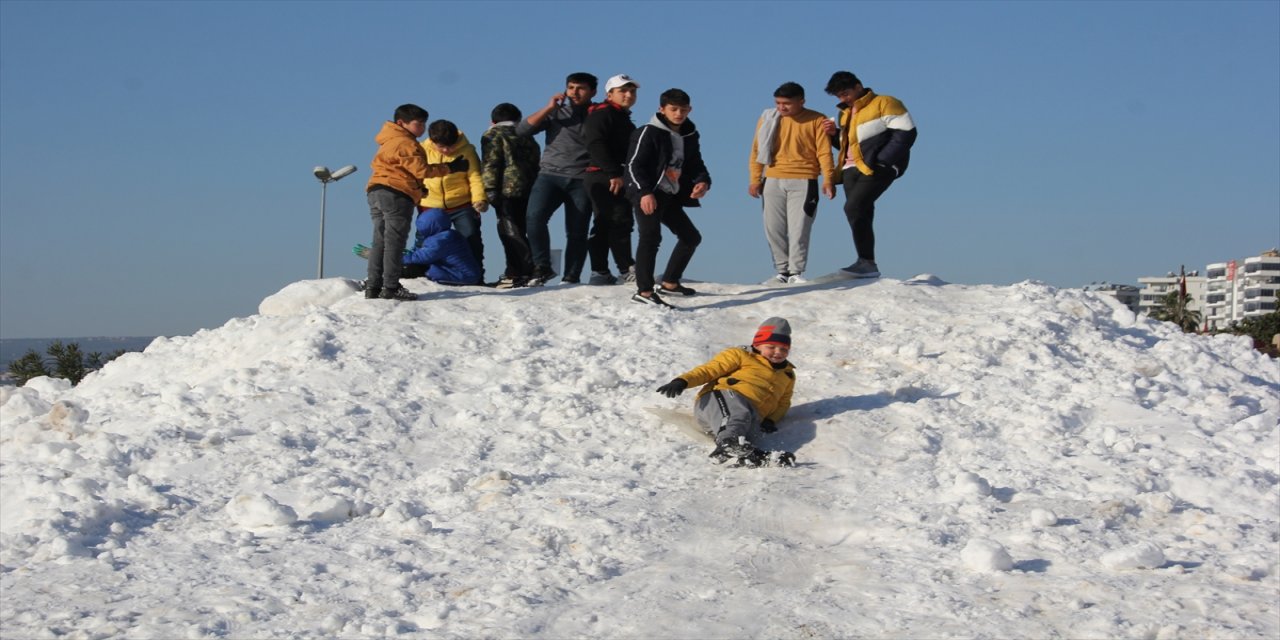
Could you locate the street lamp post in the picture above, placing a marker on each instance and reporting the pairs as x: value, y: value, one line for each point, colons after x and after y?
x: 325, y: 177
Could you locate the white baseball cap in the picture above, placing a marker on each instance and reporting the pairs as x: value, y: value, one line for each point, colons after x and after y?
x: 618, y: 81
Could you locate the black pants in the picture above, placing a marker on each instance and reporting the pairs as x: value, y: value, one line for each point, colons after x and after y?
x: 860, y: 194
x: 611, y: 225
x: 671, y: 214
x: 511, y: 214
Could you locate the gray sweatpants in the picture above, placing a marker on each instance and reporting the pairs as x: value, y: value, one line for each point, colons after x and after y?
x: 727, y: 415
x: 789, y: 208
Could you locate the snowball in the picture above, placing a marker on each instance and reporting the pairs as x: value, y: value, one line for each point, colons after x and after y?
x: 1143, y: 555
x: 1043, y: 518
x: 986, y: 555
x: 972, y: 484
x: 260, y: 510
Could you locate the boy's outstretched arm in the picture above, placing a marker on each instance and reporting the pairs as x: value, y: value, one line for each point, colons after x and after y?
x: 673, y: 388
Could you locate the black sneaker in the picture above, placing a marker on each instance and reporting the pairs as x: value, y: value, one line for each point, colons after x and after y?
x: 510, y: 282
x: 862, y: 269
x: 727, y: 450
x: 540, y: 277
x: 600, y: 278
x: 398, y: 293
x: 652, y: 299
x: 679, y: 288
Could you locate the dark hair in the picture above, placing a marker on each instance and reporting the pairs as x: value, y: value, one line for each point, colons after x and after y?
x: 410, y: 112
x: 790, y: 90
x: 841, y: 81
x: 443, y: 133
x: 505, y: 111
x: 676, y: 97
x: 582, y: 77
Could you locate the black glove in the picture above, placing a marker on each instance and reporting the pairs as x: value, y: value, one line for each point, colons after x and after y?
x: 459, y: 165
x: 673, y: 388
x: 768, y: 426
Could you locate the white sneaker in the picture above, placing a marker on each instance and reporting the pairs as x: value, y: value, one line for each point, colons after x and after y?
x: 781, y: 278
x: 796, y: 278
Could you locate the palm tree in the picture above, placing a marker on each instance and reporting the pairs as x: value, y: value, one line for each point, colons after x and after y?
x: 1175, y: 308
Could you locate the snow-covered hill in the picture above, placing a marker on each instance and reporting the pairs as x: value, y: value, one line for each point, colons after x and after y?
x: 975, y: 461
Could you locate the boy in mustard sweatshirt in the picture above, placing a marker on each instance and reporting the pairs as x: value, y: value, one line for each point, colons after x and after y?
x: 745, y: 392
x: 791, y: 149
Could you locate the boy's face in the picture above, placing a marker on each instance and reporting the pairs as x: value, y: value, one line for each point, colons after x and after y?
x: 788, y: 106
x: 849, y: 96
x: 773, y: 352
x: 445, y: 149
x: 624, y: 96
x: 578, y: 93
x: 676, y: 114
x: 416, y: 127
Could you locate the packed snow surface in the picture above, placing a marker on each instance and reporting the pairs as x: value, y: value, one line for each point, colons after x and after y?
x: 974, y: 461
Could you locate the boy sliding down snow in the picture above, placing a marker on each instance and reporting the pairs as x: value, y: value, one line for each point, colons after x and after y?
x: 746, y: 391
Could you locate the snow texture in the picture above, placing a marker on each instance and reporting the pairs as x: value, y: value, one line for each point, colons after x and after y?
x: 974, y: 461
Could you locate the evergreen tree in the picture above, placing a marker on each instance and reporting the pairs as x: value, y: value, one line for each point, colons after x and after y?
x: 68, y: 361
x: 29, y: 366
x: 64, y: 361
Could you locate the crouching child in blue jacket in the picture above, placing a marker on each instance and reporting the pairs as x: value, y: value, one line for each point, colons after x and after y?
x: 745, y: 392
x: 441, y: 253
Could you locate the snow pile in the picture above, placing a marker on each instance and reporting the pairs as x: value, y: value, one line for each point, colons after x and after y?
x: 973, y: 461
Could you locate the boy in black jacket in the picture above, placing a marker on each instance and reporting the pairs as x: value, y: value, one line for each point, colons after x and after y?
x: 664, y: 174
x: 607, y: 132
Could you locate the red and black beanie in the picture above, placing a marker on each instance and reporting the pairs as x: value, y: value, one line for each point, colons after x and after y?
x: 773, y: 330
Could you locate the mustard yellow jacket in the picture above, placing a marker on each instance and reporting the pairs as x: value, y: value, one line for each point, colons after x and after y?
x: 803, y: 150
x: 400, y: 162
x: 747, y: 372
x: 456, y: 189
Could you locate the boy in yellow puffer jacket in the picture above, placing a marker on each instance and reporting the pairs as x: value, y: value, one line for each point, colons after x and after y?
x: 459, y: 195
x: 745, y: 392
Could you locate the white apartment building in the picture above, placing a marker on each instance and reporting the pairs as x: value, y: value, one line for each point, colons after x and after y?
x: 1155, y: 288
x: 1240, y: 289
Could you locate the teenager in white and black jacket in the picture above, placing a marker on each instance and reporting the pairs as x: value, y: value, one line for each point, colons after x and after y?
x: 665, y: 174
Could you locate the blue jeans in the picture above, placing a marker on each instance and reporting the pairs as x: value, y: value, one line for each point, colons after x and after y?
x: 548, y: 193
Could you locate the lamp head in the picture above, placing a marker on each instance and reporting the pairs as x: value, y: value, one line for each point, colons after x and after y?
x: 322, y: 174
x: 343, y: 172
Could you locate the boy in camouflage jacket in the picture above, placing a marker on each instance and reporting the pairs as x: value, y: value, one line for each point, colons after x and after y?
x: 510, y: 164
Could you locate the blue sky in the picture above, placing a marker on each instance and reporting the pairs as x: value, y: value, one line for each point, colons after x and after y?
x: 155, y: 158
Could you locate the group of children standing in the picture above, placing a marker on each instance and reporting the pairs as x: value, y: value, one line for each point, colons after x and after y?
x: 595, y: 159
x: 613, y: 178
